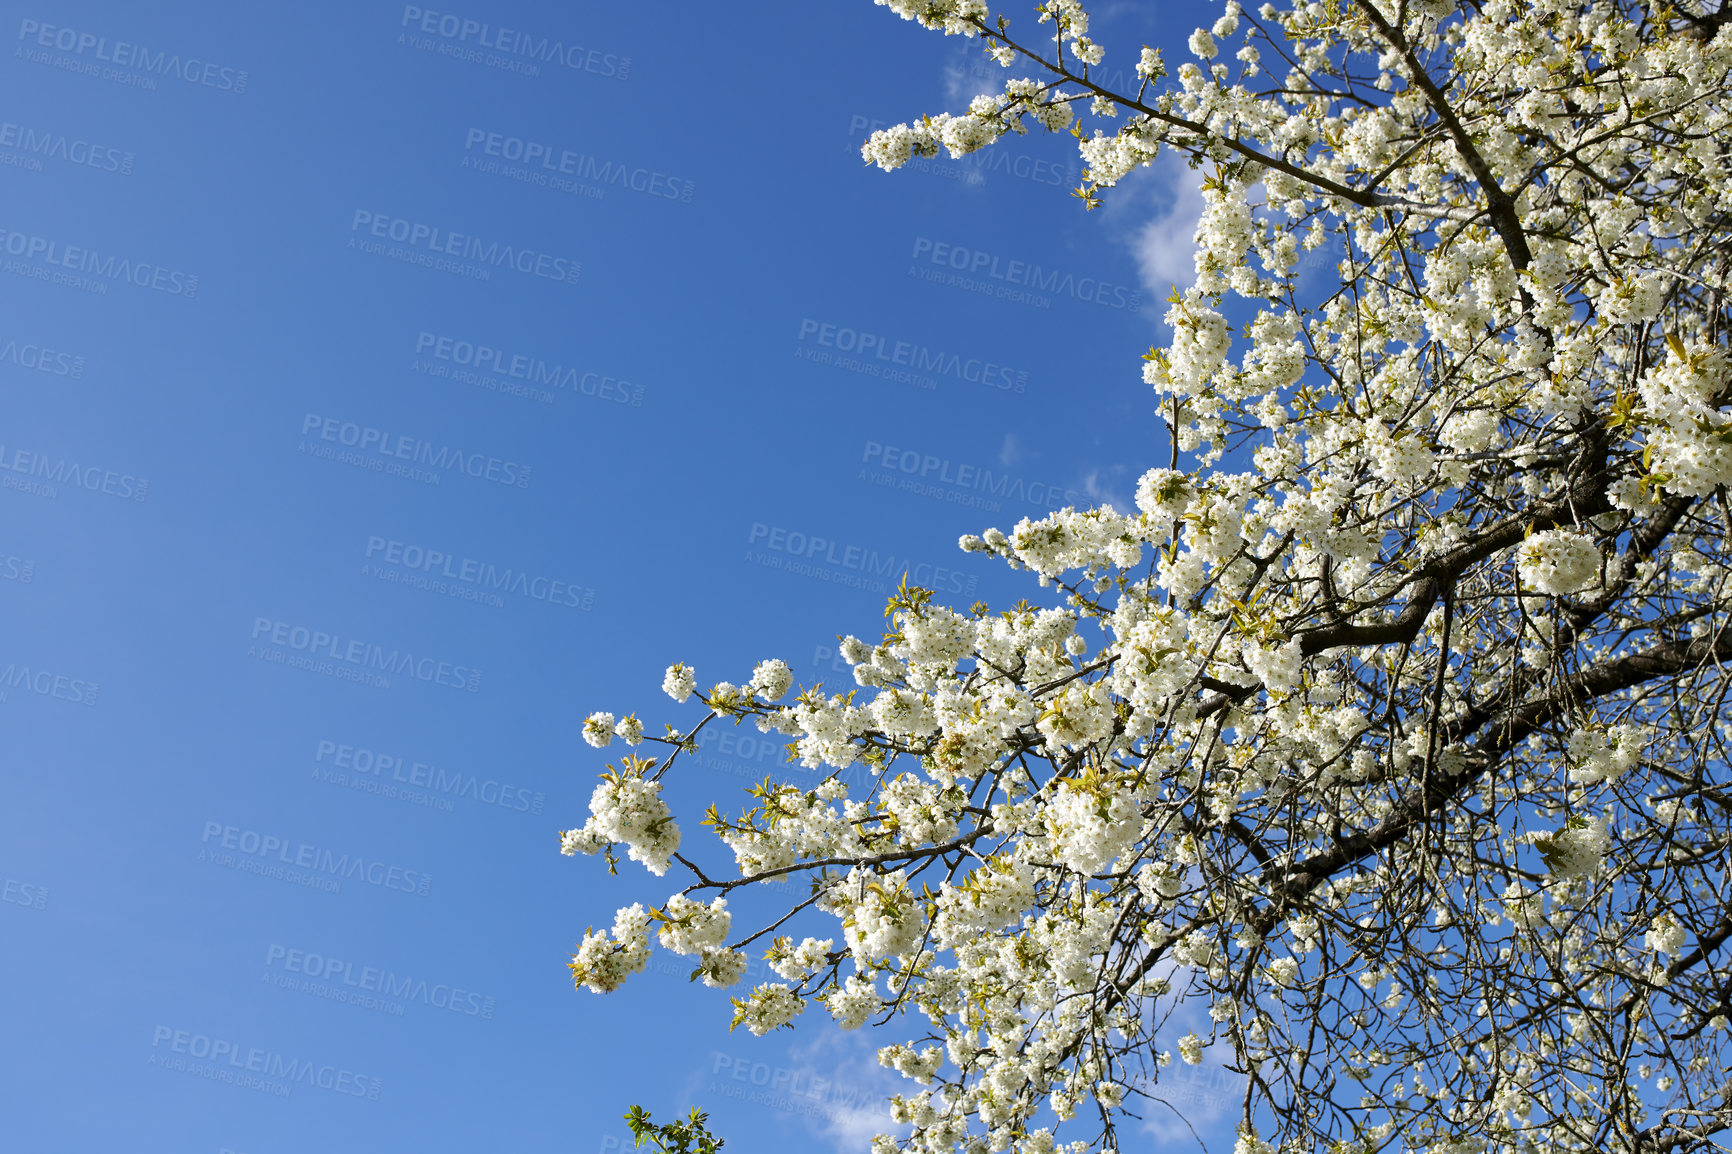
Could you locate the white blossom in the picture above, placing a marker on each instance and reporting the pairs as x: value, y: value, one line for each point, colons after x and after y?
x: 1396, y: 692
x: 679, y: 682
x: 598, y: 729
x: 1559, y: 561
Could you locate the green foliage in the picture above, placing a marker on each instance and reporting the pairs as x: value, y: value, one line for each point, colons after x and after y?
x: 690, y: 1136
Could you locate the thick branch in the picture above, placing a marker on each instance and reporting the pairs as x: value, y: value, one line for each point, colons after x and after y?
x: 1500, y: 204
x: 1503, y: 733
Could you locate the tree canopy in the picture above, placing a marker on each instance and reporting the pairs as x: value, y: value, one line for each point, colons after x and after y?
x: 1379, y: 752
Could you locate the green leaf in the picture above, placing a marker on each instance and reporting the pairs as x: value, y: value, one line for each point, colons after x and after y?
x: 691, y: 1136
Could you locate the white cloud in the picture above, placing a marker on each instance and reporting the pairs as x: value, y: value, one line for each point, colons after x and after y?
x: 854, y: 1107
x: 1165, y: 243
x: 1198, y: 1104
x: 851, y: 1129
x: 1190, y: 1104
x: 1011, y: 452
x: 1101, y: 486
x: 971, y: 74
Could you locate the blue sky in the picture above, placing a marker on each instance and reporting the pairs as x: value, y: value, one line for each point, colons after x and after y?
x: 320, y: 339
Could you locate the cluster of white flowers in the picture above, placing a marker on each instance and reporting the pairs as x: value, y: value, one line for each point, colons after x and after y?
x: 884, y: 919
x: 679, y: 682
x: 1067, y: 539
x: 1090, y: 828
x: 690, y: 927
x: 797, y: 963
x: 771, y: 679
x: 1633, y: 300
x: 721, y: 968
x: 1201, y: 339
x: 854, y: 1002
x: 1395, y: 458
x: 919, y: 1065
x: 1576, y: 850
x: 1598, y: 756
x: 1470, y: 430
x: 1276, y: 666
x: 598, y: 729
x: 1080, y: 716
x: 770, y: 1007
x: 1249, y: 1143
x: 626, y: 809
x: 1223, y: 238
x: 603, y: 962
x: 1558, y: 561
x: 1523, y: 906
x: 1666, y: 936
x: 1191, y: 1049
x: 993, y: 897
x: 952, y: 17
x: 1165, y: 493
x: 1690, y: 432
x: 827, y: 729
x: 1294, y: 725
x: 987, y: 119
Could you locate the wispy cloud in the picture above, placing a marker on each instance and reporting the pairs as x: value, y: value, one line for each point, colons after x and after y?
x: 1187, y: 1106
x: 1164, y: 244
x: 970, y: 74
x: 1101, y: 484
x: 850, y: 1129
x: 857, y: 1107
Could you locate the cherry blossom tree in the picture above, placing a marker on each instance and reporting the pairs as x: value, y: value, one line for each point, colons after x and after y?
x: 1379, y: 752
